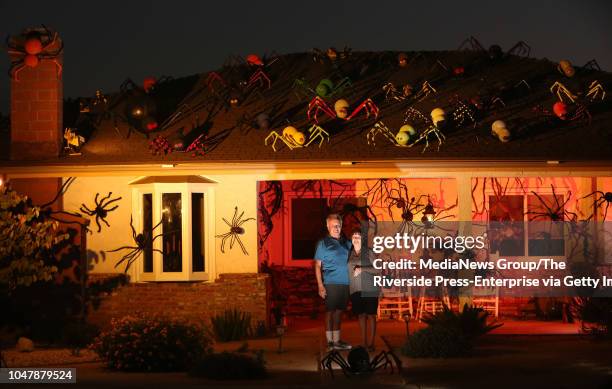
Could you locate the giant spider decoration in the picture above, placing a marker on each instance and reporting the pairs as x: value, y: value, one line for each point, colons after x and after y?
x: 101, y: 210
x: 294, y: 138
x: 413, y: 115
x: 235, y: 231
x: 409, y: 207
x: 341, y: 109
x: 495, y: 51
x: 604, y: 198
x: 35, y: 45
x: 359, y: 362
x: 143, y: 241
x: 555, y: 212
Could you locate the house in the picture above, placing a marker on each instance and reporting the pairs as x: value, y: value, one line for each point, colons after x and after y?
x: 227, y: 194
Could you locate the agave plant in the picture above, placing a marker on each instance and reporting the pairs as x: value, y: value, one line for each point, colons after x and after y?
x: 231, y: 325
x: 472, y: 322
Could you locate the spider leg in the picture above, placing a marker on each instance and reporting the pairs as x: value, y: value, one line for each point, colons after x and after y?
x: 126, y: 257
x: 223, y: 242
x: 122, y: 248
x: 103, y: 199
x: 86, y: 210
x: 241, y: 245
x: 105, y: 222
x: 232, y: 239
x: 132, y: 227
x: 226, y: 222
x: 245, y: 220
x: 98, y: 223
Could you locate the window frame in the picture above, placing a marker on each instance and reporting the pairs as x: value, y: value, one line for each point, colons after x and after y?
x: 563, y: 191
x: 185, y: 189
x: 288, y: 259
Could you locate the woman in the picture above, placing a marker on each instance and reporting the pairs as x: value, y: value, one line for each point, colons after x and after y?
x: 364, y: 295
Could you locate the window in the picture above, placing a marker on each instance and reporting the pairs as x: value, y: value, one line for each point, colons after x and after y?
x: 307, y: 216
x: 522, y: 225
x: 176, y: 210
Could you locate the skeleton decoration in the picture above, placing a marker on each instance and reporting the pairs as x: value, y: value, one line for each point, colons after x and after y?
x: 234, y: 232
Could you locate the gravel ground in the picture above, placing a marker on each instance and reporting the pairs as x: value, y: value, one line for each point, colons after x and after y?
x: 47, y: 357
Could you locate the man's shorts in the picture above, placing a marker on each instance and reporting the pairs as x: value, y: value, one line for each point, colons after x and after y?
x: 364, y: 304
x: 337, y: 297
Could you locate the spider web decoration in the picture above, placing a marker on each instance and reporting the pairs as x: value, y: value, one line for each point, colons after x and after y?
x: 317, y: 188
x: 270, y: 203
x: 235, y: 231
x: 499, y: 192
x: 598, y: 202
x: 379, y: 192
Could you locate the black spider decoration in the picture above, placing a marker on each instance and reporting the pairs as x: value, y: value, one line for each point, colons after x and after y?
x: 359, y: 362
x: 604, y: 198
x: 143, y: 241
x: 235, y: 231
x: 409, y: 206
x: 555, y: 212
x: 101, y: 209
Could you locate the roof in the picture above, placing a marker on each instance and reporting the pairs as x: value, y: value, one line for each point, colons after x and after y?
x: 535, y: 136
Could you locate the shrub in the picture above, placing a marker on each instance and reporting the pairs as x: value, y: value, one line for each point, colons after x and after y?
x: 595, y: 315
x: 232, y: 325
x: 151, y: 344
x: 226, y: 365
x: 449, y: 333
x: 437, y: 342
x: 470, y: 322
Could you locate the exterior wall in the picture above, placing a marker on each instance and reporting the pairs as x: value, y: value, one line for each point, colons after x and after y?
x: 196, y: 302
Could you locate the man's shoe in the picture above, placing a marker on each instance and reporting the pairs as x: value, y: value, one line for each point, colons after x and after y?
x: 341, y: 345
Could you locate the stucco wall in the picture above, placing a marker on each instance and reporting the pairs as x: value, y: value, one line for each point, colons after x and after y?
x: 231, y: 191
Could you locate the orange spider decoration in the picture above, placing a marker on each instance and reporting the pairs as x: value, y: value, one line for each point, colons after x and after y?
x: 33, y: 46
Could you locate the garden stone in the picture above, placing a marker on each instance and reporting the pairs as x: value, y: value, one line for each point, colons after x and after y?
x: 25, y: 345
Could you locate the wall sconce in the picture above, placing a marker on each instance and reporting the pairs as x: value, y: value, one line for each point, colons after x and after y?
x: 428, y: 214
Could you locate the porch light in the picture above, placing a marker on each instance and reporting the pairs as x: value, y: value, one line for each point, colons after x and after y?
x: 428, y: 214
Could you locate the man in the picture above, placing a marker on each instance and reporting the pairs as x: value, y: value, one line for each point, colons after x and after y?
x: 331, y: 270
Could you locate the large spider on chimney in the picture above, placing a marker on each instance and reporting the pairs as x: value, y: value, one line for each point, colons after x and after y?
x: 33, y: 46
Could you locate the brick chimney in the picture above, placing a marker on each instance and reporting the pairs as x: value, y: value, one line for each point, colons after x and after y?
x: 36, y: 95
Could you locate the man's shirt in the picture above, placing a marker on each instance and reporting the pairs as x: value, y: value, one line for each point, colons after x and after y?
x: 333, y: 254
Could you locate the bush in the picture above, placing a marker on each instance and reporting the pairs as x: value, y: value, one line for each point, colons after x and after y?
x: 232, y: 325
x: 595, y: 314
x: 226, y: 365
x: 471, y: 321
x: 437, y: 342
x: 449, y: 333
x: 151, y: 344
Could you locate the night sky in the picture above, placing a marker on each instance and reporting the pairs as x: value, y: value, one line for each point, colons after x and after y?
x: 107, y: 41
